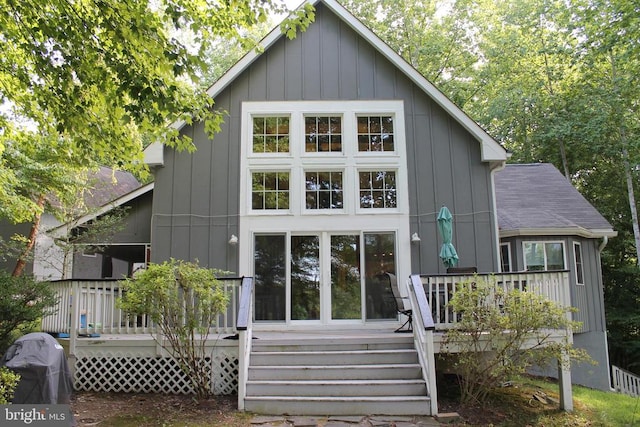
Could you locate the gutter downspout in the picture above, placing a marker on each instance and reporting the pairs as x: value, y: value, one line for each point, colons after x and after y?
x: 605, y: 240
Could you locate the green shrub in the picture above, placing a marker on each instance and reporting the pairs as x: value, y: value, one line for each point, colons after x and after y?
x: 8, y: 383
x: 500, y: 334
x: 184, y: 301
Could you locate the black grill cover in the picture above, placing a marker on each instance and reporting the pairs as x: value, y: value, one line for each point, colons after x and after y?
x: 45, y: 377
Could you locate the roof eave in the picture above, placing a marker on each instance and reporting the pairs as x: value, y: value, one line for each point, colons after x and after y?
x: 560, y: 231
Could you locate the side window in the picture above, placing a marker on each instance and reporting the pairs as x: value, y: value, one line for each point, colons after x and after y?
x: 543, y: 256
x: 505, y: 257
x: 577, y: 256
x: 322, y: 134
x: 375, y: 133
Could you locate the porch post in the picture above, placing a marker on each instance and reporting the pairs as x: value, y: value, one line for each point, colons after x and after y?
x: 564, y: 382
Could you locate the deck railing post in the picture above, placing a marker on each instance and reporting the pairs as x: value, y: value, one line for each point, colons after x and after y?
x: 75, y: 318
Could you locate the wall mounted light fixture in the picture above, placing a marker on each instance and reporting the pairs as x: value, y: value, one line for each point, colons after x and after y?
x: 415, y: 238
x: 233, y: 240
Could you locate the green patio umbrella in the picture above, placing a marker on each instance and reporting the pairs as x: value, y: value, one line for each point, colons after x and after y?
x: 448, y: 253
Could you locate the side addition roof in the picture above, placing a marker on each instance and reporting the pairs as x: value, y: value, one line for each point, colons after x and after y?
x: 536, y: 199
x: 491, y: 150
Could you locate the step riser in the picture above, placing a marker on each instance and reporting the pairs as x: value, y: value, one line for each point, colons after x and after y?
x: 334, y: 373
x: 336, y: 390
x: 337, y: 358
x: 320, y: 346
x: 318, y: 407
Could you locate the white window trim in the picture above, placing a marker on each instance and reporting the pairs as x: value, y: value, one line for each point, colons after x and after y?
x: 564, y: 252
x: 575, y: 262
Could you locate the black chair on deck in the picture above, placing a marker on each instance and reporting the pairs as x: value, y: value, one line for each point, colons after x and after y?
x: 400, y: 303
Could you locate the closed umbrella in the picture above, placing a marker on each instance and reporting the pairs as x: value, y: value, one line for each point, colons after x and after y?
x: 448, y: 253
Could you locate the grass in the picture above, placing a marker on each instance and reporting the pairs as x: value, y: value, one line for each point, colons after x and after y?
x: 534, y: 402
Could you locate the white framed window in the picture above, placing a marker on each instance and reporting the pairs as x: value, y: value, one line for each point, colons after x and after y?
x: 343, y: 158
x: 322, y: 134
x: 375, y: 133
x: 377, y: 189
x: 270, y: 190
x: 543, y: 255
x: 324, y: 190
x: 270, y: 134
x: 505, y: 257
x: 577, y: 258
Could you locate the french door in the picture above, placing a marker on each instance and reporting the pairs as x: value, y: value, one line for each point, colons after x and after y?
x: 324, y: 277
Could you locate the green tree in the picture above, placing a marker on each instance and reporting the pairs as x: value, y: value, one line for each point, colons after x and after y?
x: 23, y: 302
x: 501, y: 333
x: 184, y: 301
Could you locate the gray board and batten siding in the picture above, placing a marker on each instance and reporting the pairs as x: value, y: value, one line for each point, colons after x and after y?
x: 196, y: 206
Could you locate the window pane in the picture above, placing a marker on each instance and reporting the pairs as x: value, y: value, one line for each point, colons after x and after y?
x: 345, y: 277
x: 375, y: 133
x: 379, y: 259
x: 577, y: 253
x: 323, y: 190
x: 323, y: 134
x: 378, y: 189
x: 505, y: 257
x: 534, y: 256
x: 270, y: 190
x: 269, y: 275
x: 270, y: 134
x: 305, y: 278
x: 555, y: 256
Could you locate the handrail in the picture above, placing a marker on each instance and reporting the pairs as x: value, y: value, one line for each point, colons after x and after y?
x: 625, y: 382
x: 423, y: 338
x: 423, y: 304
x: 244, y: 308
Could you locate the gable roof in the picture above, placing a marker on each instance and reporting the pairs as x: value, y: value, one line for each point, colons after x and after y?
x: 536, y: 199
x: 491, y: 150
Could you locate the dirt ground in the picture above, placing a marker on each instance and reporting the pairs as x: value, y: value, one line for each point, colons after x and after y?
x: 124, y: 409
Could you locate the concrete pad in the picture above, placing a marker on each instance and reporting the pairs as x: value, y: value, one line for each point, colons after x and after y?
x: 448, y: 417
x: 354, y: 419
x: 304, y: 421
x: 269, y: 420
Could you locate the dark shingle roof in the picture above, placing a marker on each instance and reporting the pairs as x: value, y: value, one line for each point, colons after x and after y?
x: 538, y: 199
x: 105, y: 185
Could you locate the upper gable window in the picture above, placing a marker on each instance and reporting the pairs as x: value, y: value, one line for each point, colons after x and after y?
x: 323, y: 134
x: 375, y: 133
x: 271, y: 134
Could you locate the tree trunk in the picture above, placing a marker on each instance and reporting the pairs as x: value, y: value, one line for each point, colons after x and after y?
x: 632, y: 203
x: 31, y: 241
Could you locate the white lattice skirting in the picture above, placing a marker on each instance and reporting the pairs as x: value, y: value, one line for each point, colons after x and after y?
x: 105, y: 372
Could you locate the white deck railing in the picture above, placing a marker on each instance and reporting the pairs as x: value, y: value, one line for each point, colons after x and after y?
x: 440, y: 289
x: 88, y: 307
x: 625, y: 382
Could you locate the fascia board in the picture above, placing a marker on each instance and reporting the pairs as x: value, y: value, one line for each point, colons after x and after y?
x: 567, y: 231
